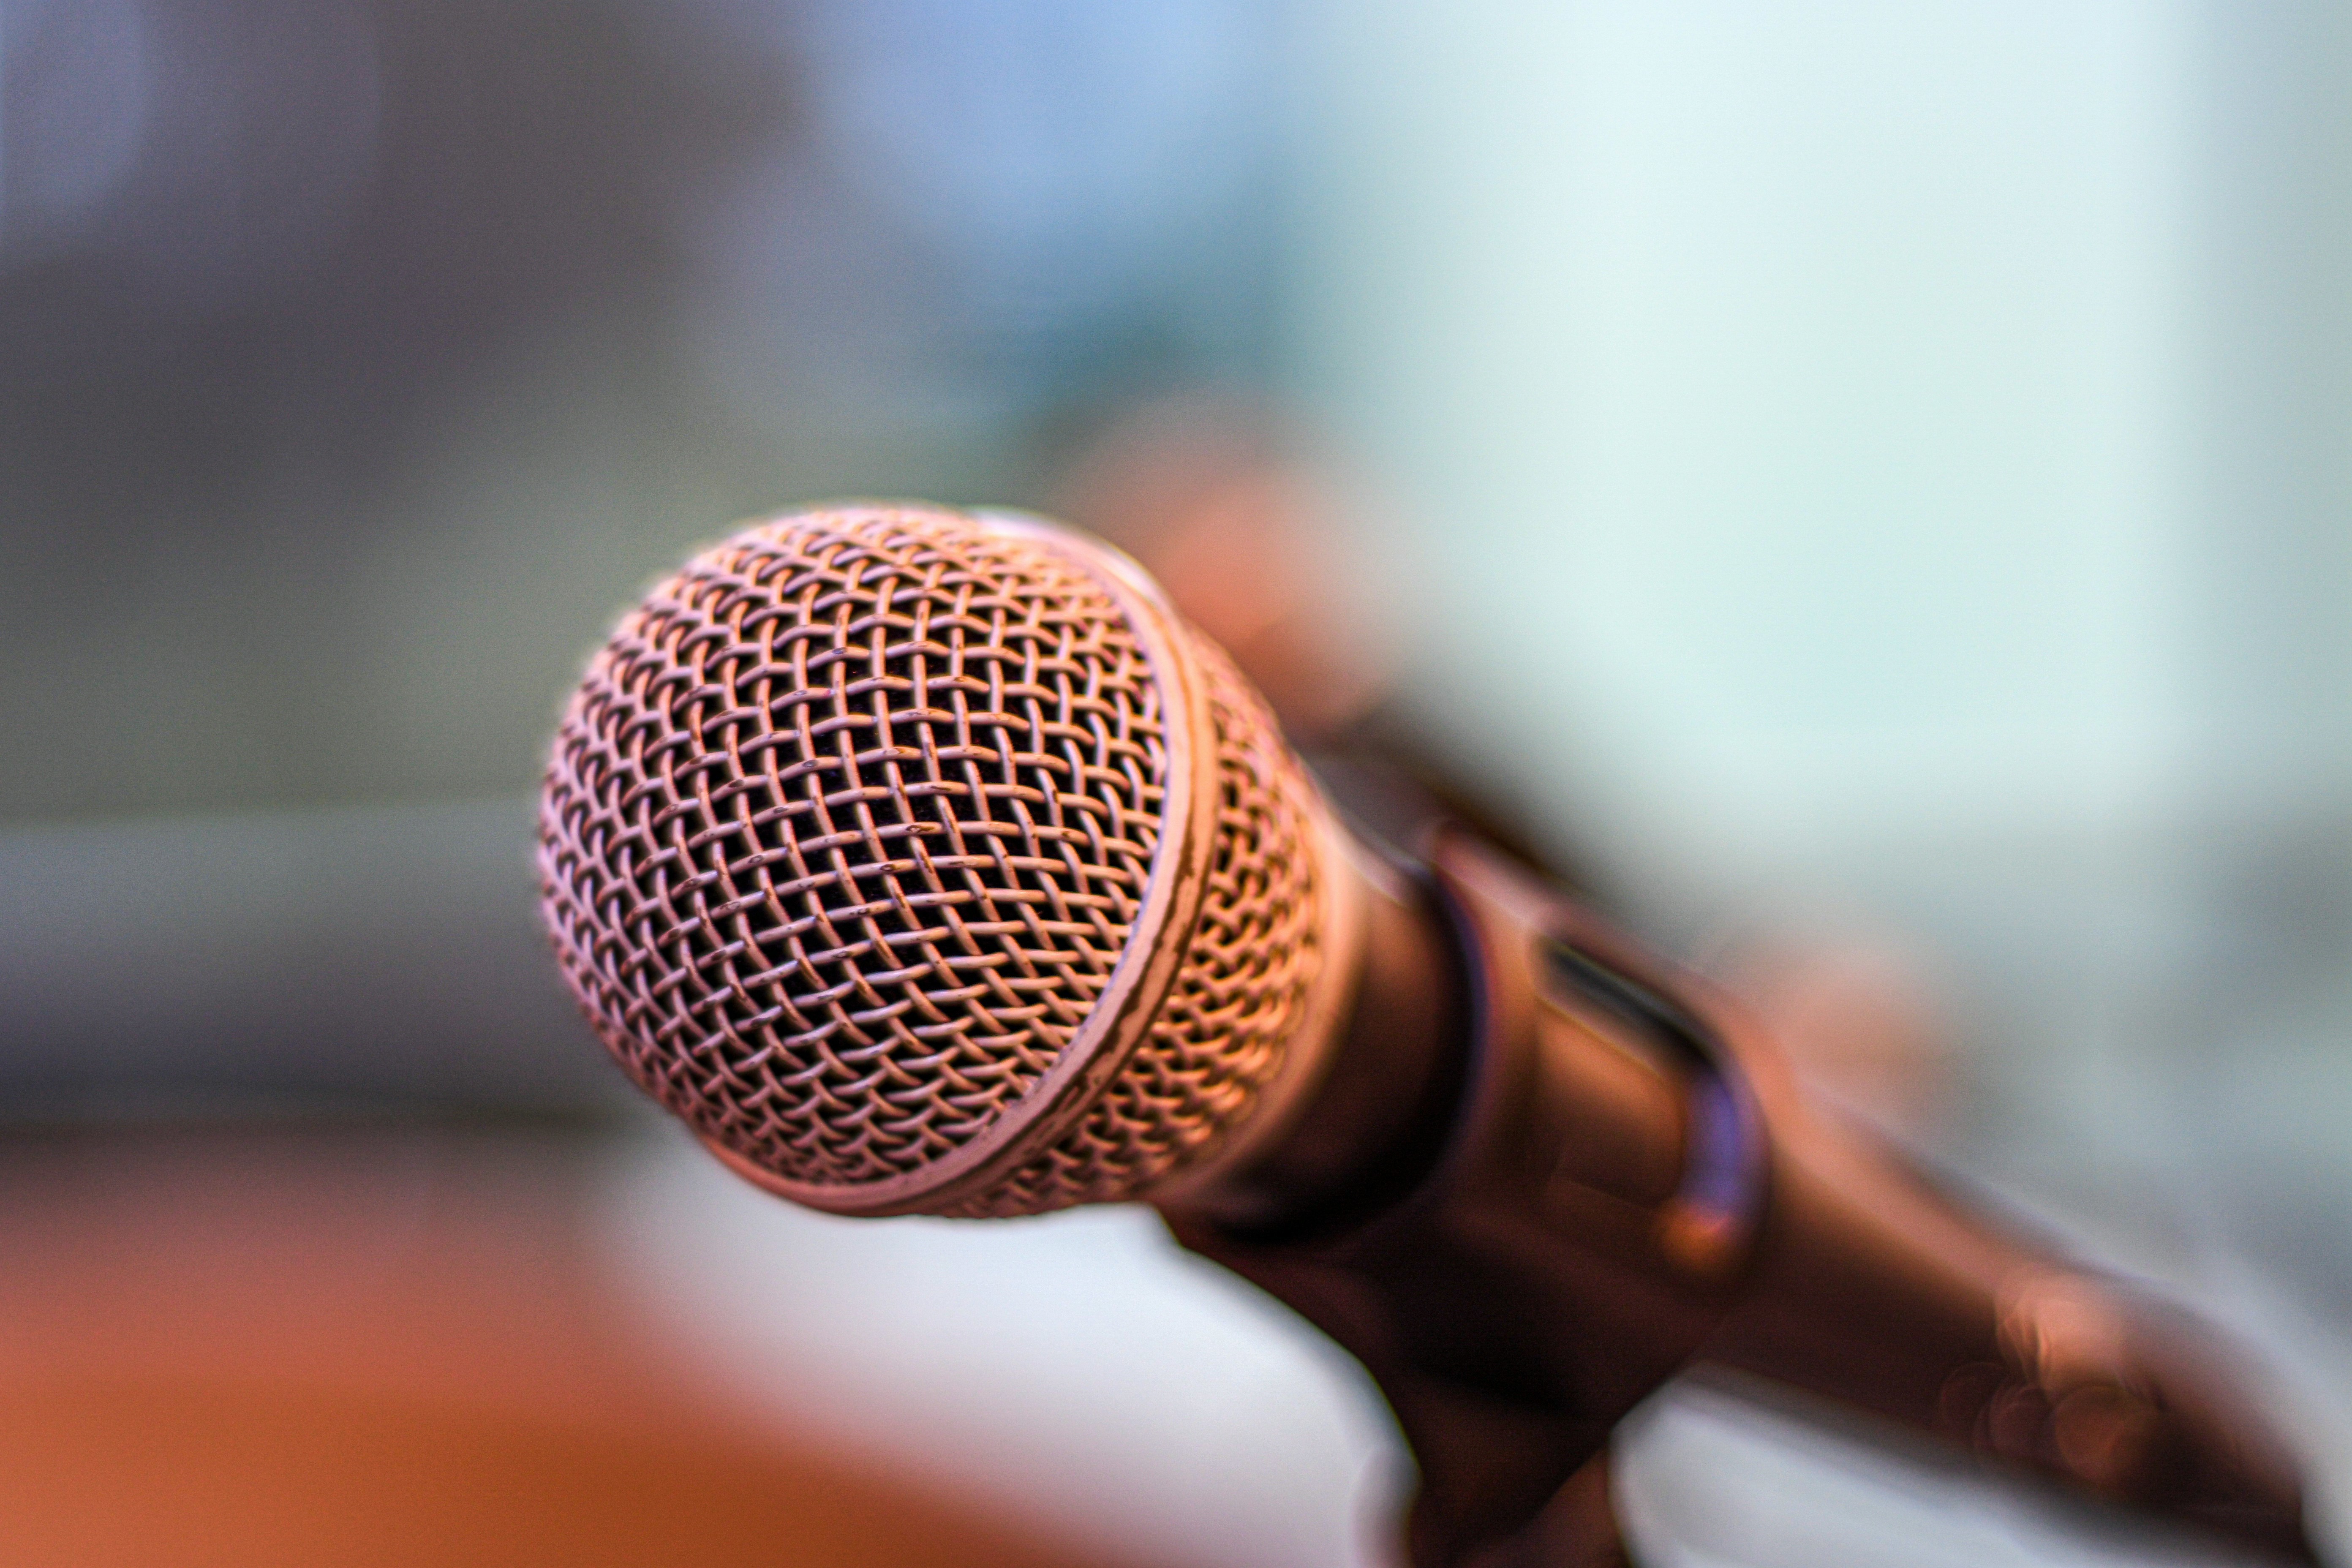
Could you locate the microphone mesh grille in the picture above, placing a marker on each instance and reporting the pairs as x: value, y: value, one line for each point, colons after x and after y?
x: 848, y: 824
x: 1238, y: 998
x: 845, y: 831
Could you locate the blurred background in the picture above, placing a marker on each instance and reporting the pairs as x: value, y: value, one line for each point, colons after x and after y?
x: 1865, y: 487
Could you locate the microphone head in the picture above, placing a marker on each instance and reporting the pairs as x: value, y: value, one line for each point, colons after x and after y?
x: 927, y: 861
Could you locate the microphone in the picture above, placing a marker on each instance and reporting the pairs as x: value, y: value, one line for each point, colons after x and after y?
x: 925, y: 862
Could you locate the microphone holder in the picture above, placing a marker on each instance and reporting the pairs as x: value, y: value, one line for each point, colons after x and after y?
x: 1607, y: 1177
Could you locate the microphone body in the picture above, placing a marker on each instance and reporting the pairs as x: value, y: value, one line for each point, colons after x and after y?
x: 930, y: 862
x: 1608, y: 1178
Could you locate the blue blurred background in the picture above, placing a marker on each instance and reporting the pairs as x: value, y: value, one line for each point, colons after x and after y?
x: 1869, y: 483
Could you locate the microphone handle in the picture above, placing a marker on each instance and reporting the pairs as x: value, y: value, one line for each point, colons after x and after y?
x: 1545, y: 1172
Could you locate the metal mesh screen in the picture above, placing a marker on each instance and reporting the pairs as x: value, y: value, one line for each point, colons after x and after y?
x: 1218, y: 1038
x: 849, y: 823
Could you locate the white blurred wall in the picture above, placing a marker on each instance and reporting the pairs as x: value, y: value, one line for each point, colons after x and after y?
x: 1889, y: 459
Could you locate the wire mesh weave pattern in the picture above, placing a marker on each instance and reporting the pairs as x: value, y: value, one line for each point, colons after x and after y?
x: 1237, y: 998
x: 845, y: 830
x: 847, y: 825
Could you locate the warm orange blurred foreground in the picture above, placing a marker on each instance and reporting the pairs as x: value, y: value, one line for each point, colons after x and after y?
x: 372, y: 1347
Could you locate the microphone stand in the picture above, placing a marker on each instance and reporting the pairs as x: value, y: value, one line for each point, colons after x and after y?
x: 1544, y: 1174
